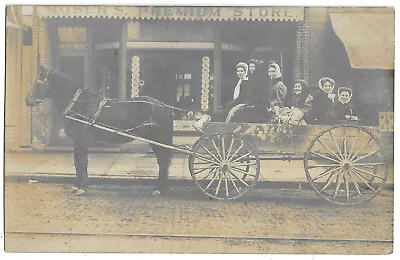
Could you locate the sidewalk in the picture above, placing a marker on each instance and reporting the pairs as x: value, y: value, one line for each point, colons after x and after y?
x: 103, y: 167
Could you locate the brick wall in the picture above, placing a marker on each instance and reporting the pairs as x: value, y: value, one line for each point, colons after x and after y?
x: 42, y: 114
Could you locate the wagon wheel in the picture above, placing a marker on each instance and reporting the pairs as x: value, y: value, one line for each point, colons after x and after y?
x: 224, y: 166
x: 345, y: 164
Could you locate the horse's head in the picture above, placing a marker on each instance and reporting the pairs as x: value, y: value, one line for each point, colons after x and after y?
x: 40, y: 90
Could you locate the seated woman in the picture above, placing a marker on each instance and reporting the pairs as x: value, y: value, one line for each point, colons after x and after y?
x: 323, y: 110
x: 300, y: 103
x: 344, y: 110
x: 254, y: 99
x: 278, y: 89
x: 240, y: 95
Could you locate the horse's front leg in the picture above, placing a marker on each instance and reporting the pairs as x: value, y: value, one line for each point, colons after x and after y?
x: 81, y: 162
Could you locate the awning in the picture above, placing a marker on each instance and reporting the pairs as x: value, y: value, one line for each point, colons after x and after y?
x: 174, y: 12
x: 368, y: 38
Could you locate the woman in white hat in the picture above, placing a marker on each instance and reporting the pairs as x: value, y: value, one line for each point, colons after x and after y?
x: 344, y: 109
x: 240, y: 96
x: 278, y: 89
x: 323, y: 110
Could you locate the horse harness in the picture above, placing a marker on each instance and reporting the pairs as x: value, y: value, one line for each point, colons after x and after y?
x: 104, y: 103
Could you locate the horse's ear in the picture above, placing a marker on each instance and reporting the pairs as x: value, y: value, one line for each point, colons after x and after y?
x: 42, y: 68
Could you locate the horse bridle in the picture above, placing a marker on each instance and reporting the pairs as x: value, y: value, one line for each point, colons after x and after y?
x: 41, y: 83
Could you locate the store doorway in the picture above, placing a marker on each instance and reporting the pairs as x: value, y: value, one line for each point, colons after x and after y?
x: 174, y: 77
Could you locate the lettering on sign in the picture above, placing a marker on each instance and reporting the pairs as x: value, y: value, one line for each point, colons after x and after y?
x: 172, y: 12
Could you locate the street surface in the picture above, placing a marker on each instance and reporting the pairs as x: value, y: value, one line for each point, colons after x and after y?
x: 43, y: 217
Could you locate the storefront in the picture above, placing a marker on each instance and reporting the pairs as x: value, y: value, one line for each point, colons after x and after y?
x: 184, y: 56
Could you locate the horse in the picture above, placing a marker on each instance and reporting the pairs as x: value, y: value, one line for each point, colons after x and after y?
x: 145, y: 117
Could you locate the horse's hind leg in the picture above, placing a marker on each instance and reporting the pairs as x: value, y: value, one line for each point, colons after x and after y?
x: 81, y: 164
x: 164, y: 160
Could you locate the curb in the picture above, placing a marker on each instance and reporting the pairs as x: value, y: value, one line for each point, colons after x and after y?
x: 150, y: 180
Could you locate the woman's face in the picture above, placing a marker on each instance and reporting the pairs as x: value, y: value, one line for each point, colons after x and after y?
x: 252, y: 68
x: 241, y: 72
x: 272, y: 72
x: 297, y: 88
x: 345, y: 96
x: 327, y: 87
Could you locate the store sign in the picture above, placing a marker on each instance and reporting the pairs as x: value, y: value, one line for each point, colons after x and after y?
x: 175, y: 12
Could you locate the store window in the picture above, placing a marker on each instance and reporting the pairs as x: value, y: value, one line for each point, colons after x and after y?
x: 185, y: 96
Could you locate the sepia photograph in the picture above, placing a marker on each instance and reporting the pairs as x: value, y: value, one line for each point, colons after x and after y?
x: 170, y: 129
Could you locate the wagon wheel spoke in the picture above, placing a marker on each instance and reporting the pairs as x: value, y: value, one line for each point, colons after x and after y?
x: 217, y: 150
x: 331, y: 175
x: 326, y: 147
x: 368, y: 165
x: 205, y: 159
x: 242, y: 171
x: 325, y: 157
x: 205, y: 155
x: 223, y: 148
x: 239, y: 179
x: 208, y: 175
x: 344, y: 144
x: 241, y: 157
x: 234, y: 154
x: 211, y: 182
x: 226, y: 185
x: 219, y: 183
x: 233, y: 182
x: 338, y: 182
x: 365, y: 156
x: 330, y: 180
x: 346, y: 181
x: 204, y: 163
x: 336, y: 144
x: 361, y: 148
x: 230, y: 148
x: 212, y: 155
x: 369, y: 173
x: 360, y: 174
x: 362, y: 178
x: 352, y: 144
x: 326, y: 172
x: 204, y: 169
x: 322, y: 165
x: 356, y: 186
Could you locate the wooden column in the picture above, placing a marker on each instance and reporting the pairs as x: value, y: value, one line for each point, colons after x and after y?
x: 122, y: 61
x: 13, y: 77
x: 217, y: 67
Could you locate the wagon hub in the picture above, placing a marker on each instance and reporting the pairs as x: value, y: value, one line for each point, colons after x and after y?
x: 346, y: 165
x: 224, y: 168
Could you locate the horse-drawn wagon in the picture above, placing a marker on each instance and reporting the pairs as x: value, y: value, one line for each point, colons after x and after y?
x: 343, y: 163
